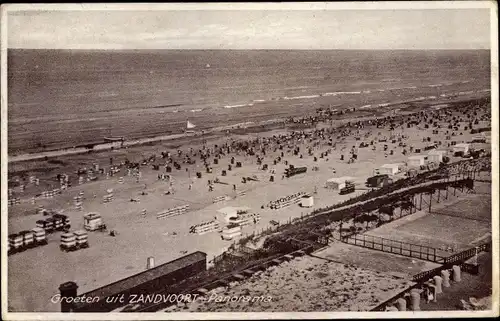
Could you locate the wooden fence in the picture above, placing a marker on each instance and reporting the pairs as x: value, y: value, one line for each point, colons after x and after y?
x: 219, y: 199
x: 421, y: 252
x: 465, y: 255
x: 173, y: 212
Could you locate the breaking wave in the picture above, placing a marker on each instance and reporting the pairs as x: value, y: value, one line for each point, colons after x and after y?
x: 238, y: 106
x: 301, y: 97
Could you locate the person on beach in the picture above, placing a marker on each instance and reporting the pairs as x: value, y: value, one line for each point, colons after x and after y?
x: 428, y: 294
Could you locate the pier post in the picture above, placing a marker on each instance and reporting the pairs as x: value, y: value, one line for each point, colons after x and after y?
x: 415, y: 300
x: 438, y: 281
x: 456, y: 273
x: 401, y: 304
x: 445, y: 275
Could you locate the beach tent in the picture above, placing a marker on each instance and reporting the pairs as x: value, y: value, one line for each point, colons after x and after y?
x: 464, y: 148
x: 226, y: 213
x: 231, y: 231
x: 389, y: 169
x: 436, y: 155
x: 307, y: 201
x: 337, y: 183
x: 416, y: 160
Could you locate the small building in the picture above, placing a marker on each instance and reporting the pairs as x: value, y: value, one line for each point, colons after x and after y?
x: 307, y: 201
x: 153, y: 280
x: 378, y: 180
x: 92, y: 221
x: 337, y: 183
x: 230, y: 212
x: 416, y: 160
x: 461, y: 148
x: 389, y: 169
x: 436, y: 156
x: 245, y: 219
x: 231, y: 231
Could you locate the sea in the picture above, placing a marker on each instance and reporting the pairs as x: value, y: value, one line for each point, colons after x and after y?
x: 63, y: 98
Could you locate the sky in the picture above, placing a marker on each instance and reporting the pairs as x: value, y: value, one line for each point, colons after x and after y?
x: 250, y: 29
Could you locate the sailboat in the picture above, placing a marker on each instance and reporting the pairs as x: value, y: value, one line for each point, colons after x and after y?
x: 189, y: 127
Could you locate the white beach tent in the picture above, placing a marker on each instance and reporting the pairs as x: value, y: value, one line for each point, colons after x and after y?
x: 230, y: 232
x: 307, y: 201
x: 337, y: 183
x: 389, y: 169
x: 436, y: 156
x: 416, y: 160
x: 461, y: 148
x: 226, y: 213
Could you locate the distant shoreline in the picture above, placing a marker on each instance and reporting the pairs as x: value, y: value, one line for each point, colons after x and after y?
x: 60, y: 99
x: 109, y: 146
x: 267, y: 126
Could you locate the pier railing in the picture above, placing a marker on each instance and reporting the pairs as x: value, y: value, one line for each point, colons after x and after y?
x: 467, y: 254
x: 457, y: 259
x: 416, y: 251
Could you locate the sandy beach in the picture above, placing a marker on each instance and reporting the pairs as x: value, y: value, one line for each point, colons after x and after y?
x: 138, y: 237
